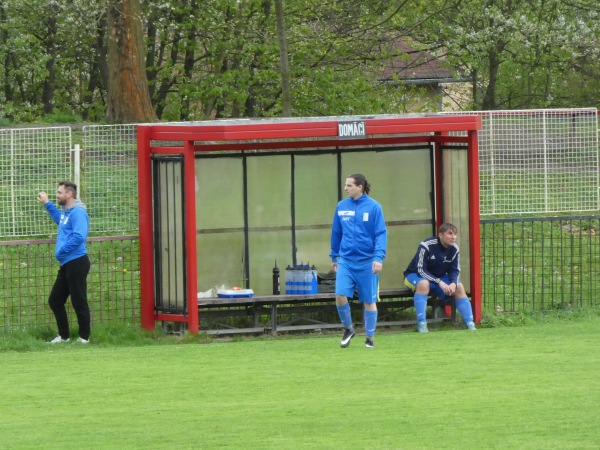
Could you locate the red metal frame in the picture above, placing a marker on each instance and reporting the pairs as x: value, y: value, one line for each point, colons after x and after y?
x: 190, y: 236
x: 145, y: 223
x: 474, y: 231
x: 437, y: 163
x: 321, y: 133
x: 474, y: 218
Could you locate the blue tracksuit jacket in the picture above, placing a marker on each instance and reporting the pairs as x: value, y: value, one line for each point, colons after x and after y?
x: 358, y: 232
x: 433, y: 260
x: 73, y: 227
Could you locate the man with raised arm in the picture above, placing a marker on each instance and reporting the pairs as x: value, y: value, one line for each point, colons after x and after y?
x: 71, y: 252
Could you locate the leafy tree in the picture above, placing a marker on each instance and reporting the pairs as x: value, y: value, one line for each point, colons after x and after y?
x: 222, y: 58
x: 233, y: 63
x: 46, y: 54
x: 337, y: 50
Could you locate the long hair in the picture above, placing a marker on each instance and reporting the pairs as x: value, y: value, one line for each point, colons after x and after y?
x: 360, y: 180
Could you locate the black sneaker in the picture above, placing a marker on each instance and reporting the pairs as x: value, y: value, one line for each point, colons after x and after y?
x: 369, y: 343
x: 348, y: 335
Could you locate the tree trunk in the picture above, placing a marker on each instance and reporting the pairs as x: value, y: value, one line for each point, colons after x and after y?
x: 489, y: 98
x: 102, y: 50
x: 98, y: 71
x: 151, y: 70
x: 50, y: 80
x: 188, y: 65
x: 128, y: 97
x: 286, y: 96
x: 7, y: 87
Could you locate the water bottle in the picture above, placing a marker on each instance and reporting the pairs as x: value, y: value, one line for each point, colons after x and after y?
x: 314, y: 285
x: 276, y: 282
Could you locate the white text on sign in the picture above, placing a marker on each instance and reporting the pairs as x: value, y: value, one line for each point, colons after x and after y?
x: 351, y: 129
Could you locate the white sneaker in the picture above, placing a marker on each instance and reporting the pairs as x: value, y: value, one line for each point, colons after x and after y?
x: 471, y: 326
x: 422, y: 327
x: 83, y: 341
x: 59, y: 340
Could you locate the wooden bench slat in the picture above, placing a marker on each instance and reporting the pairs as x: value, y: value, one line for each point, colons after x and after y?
x: 270, y: 305
x: 226, y: 331
x: 292, y: 298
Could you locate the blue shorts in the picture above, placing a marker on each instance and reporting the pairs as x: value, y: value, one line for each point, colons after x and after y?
x: 412, y: 279
x: 362, y: 278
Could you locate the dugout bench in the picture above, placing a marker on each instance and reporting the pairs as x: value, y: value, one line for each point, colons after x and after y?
x: 253, y: 308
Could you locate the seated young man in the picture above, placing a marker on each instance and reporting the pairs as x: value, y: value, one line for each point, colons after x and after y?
x: 435, y: 269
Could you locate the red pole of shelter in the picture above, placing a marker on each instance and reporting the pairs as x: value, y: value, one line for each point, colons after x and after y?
x: 191, y: 264
x: 474, y: 230
x: 145, y: 225
x: 438, y: 177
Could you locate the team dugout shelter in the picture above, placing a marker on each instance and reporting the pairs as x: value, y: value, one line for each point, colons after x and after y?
x: 222, y: 202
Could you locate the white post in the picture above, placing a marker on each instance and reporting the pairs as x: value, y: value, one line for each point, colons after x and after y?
x: 77, y: 166
x: 12, y: 182
x: 545, y: 144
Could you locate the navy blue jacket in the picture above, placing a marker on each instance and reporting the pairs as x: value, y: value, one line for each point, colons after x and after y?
x: 433, y: 260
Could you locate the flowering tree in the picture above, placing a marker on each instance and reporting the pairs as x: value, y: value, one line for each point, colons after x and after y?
x: 522, y: 54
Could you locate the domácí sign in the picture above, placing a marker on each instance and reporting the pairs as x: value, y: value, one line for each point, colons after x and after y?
x: 351, y: 129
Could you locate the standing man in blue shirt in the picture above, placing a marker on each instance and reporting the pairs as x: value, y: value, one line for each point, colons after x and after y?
x: 435, y: 269
x: 73, y: 227
x: 358, y: 248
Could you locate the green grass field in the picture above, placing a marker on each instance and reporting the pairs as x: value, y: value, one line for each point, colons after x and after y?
x: 531, y: 386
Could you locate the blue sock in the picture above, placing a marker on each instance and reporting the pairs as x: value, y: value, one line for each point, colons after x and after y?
x: 420, y: 307
x: 370, y: 322
x: 464, y: 308
x: 345, y: 316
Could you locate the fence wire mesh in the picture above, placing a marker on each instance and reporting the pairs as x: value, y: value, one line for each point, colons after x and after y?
x: 538, y: 161
x: 539, y: 264
x: 31, y: 160
x: 28, y: 270
x: 109, y: 177
x: 533, y: 161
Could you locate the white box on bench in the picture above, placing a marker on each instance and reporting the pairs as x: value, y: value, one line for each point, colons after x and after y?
x: 235, y: 293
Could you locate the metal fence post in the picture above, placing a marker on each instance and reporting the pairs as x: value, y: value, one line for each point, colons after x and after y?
x: 77, y: 165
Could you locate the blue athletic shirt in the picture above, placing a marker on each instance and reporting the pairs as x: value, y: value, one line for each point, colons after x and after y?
x: 433, y: 260
x: 358, y: 232
x: 73, y: 225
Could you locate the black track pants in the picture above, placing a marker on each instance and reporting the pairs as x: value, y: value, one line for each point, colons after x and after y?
x: 71, y: 280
